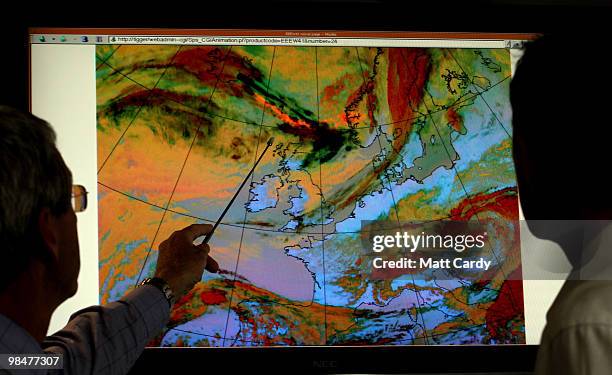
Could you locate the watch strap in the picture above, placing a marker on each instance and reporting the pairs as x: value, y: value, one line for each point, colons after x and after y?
x: 162, y: 285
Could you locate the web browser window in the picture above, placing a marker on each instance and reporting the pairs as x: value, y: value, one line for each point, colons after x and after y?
x: 375, y: 149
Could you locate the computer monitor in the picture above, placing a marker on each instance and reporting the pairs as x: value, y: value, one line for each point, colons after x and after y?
x: 162, y: 126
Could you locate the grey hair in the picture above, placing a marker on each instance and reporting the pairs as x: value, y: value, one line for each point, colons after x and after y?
x: 33, y: 176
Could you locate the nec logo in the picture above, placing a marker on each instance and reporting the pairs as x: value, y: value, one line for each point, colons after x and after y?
x: 325, y: 364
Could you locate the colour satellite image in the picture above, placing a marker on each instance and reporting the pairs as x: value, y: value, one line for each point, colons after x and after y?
x: 360, y: 134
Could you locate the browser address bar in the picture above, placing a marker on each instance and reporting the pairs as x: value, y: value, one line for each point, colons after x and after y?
x: 307, y: 41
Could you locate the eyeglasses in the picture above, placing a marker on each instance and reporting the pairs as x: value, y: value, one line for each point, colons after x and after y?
x: 79, y: 198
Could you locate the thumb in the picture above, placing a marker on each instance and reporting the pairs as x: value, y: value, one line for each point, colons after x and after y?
x: 203, y: 247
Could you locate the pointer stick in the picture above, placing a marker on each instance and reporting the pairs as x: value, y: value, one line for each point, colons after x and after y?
x: 209, y: 235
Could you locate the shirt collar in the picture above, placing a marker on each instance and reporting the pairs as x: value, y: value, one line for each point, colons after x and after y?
x: 596, y: 257
x: 15, y: 339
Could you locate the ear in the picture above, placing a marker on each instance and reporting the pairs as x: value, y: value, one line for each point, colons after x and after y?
x: 47, y: 227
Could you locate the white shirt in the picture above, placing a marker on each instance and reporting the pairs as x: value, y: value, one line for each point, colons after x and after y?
x: 577, y: 339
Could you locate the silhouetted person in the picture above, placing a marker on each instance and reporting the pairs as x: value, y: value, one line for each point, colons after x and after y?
x: 39, y: 262
x: 561, y: 99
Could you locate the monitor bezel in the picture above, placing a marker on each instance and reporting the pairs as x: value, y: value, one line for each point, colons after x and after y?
x: 535, y: 19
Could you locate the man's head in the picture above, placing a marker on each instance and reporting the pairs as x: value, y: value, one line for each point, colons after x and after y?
x: 37, y: 223
x: 561, y: 98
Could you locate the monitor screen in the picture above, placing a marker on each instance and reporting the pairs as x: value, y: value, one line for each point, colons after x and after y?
x: 364, y: 147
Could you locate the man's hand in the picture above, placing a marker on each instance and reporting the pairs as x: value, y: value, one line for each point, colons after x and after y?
x: 181, y: 263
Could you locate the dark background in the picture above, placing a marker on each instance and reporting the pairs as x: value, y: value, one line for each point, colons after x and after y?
x: 551, y: 16
x: 411, y: 15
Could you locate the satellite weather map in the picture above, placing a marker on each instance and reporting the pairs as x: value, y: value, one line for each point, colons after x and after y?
x: 360, y: 134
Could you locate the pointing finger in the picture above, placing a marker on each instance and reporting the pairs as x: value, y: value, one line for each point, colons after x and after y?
x: 212, y: 265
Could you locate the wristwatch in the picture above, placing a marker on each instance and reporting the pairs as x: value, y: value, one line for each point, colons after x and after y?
x: 162, y: 285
